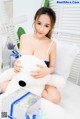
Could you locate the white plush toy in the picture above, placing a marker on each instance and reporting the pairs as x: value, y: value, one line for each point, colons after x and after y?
x: 25, y: 80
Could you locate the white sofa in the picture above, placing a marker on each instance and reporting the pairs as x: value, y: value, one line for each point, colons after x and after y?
x: 66, y: 54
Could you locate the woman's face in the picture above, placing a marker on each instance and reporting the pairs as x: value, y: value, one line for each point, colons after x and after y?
x: 42, y: 25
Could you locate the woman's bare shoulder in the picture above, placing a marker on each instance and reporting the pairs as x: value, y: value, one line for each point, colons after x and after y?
x: 52, y: 41
x: 25, y: 36
x: 53, y: 46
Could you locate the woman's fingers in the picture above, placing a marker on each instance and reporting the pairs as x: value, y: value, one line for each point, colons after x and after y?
x: 17, y: 66
x: 17, y: 63
x: 36, y: 74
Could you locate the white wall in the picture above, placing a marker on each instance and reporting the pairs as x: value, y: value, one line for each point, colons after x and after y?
x: 26, y: 7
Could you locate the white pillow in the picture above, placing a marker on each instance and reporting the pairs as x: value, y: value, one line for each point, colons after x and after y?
x: 65, y: 56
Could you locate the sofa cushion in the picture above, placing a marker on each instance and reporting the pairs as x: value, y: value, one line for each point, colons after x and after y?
x: 66, y: 54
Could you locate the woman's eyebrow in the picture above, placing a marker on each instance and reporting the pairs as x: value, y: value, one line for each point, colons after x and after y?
x: 45, y: 23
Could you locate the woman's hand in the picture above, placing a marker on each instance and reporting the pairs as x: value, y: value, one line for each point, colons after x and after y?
x: 43, y: 71
x: 17, y: 66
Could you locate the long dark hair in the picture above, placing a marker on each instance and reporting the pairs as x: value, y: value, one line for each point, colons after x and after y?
x: 50, y: 13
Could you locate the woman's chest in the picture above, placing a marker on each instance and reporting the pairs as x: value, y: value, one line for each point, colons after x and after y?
x: 38, y: 49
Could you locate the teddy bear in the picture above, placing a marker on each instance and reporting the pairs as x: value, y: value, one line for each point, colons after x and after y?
x: 23, y: 79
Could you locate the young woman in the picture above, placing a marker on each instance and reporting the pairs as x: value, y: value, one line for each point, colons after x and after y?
x: 40, y: 45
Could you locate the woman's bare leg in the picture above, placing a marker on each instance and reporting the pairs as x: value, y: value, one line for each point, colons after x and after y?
x: 4, y: 85
x: 52, y: 94
x: 5, y: 78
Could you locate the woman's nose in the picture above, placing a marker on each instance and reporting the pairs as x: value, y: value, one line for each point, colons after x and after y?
x: 41, y: 28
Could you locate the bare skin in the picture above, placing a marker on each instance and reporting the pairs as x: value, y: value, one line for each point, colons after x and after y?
x: 51, y: 93
x: 4, y: 85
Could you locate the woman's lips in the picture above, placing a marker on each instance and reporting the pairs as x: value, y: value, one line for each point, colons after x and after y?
x: 40, y: 33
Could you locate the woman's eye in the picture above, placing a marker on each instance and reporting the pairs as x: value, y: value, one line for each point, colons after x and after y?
x: 46, y: 26
x: 39, y: 23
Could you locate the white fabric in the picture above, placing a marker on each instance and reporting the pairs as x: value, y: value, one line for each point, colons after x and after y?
x: 65, y: 56
x: 71, y: 99
x: 36, y: 86
x: 53, y: 111
x: 69, y: 107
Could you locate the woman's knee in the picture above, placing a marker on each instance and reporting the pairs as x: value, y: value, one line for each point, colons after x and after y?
x: 56, y: 98
x: 53, y: 94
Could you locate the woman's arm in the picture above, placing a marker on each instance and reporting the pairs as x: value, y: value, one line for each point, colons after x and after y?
x: 23, y: 43
x: 52, y: 58
x: 22, y: 51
